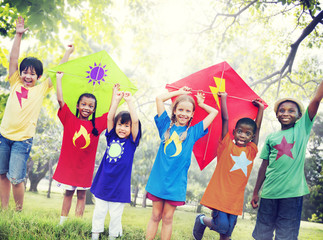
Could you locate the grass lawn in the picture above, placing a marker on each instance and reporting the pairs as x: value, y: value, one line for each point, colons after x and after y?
x: 40, y: 218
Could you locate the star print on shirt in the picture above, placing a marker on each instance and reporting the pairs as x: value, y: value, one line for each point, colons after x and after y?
x: 284, y: 148
x: 241, y: 162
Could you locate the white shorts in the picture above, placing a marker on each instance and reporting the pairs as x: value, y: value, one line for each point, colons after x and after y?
x: 69, y: 187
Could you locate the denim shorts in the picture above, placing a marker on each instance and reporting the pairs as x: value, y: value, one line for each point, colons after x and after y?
x: 280, y: 215
x: 13, y: 158
x: 223, y: 223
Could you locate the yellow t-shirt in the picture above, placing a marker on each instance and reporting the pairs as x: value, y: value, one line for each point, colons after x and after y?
x: 22, y: 109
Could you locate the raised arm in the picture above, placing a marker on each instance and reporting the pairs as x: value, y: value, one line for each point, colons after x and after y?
x: 67, y: 54
x: 224, y: 113
x: 116, y: 98
x: 133, y: 114
x: 165, y: 96
x: 258, y: 120
x: 14, y: 54
x: 260, y: 179
x: 59, y: 91
x: 315, y: 102
x: 212, y: 112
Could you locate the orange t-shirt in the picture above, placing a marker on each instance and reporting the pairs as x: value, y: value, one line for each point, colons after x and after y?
x: 225, y: 191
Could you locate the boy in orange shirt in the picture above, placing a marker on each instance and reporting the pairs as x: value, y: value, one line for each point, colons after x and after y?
x: 225, y: 191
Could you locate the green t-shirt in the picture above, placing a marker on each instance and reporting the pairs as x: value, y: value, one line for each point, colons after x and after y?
x: 285, y: 151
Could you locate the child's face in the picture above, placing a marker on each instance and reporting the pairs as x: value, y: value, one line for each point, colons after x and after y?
x: 287, y: 114
x: 183, y: 112
x: 29, y: 77
x: 86, y: 107
x: 243, y: 134
x: 123, y: 129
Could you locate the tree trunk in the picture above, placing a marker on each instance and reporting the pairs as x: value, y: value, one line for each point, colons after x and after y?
x: 135, y: 196
x: 50, y: 170
x: 199, y: 208
x: 89, y: 198
x: 144, y: 198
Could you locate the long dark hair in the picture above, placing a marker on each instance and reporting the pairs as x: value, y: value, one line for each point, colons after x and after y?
x: 95, y: 131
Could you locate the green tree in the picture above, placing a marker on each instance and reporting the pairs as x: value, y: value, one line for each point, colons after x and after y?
x: 313, y: 203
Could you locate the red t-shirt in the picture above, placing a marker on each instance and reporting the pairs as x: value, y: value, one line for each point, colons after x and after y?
x: 76, y: 162
x: 225, y: 191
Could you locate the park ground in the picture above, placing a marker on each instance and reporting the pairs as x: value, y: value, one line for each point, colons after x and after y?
x: 40, y: 217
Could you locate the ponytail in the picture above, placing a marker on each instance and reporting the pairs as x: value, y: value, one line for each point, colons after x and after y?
x: 95, y: 131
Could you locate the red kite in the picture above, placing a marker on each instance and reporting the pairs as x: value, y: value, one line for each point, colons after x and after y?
x: 220, y: 77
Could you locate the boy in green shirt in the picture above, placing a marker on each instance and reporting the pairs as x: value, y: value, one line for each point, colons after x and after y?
x: 282, y: 170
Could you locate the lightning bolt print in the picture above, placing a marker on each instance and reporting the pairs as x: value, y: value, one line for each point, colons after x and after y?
x: 22, y: 94
x: 220, y: 87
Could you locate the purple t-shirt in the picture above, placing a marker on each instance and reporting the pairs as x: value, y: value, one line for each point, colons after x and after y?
x: 113, y: 179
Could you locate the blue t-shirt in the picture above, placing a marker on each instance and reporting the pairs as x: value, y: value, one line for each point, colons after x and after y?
x: 113, y: 178
x: 168, y: 177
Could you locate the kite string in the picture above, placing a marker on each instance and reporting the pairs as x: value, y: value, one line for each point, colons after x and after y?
x: 74, y: 75
x: 193, y: 90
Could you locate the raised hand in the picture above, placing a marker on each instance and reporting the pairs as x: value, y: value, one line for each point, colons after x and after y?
x: 222, y: 94
x: 257, y: 102
x: 200, y: 97
x: 127, y: 96
x: 59, y: 75
x: 116, y: 88
x: 70, y: 49
x: 119, y: 95
x: 185, y: 90
x: 20, y: 26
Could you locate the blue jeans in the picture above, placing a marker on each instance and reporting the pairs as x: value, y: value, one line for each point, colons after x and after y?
x: 223, y: 223
x: 13, y: 158
x: 280, y: 215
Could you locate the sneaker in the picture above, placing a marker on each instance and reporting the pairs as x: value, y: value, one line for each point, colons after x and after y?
x: 199, y: 228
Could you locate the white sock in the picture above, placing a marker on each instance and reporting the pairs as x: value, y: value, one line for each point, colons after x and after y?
x: 95, y: 236
x: 63, y: 219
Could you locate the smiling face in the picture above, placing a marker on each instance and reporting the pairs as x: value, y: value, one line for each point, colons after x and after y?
x: 243, y: 133
x: 123, y: 129
x: 183, y: 113
x: 86, y: 107
x: 287, y: 114
x: 29, y: 77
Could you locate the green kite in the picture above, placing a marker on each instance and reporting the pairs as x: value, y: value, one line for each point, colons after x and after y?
x: 96, y: 73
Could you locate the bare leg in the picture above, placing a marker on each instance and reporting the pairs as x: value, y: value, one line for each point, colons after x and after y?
x: 18, y: 191
x: 207, y: 221
x: 167, y: 217
x: 5, y: 187
x: 154, y: 220
x: 67, y: 202
x: 80, y: 205
x: 224, y: 237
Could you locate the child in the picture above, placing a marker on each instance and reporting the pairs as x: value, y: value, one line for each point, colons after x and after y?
x: 75, y: 167
x: 167, y: 182
x: 282, y: 170
x: 111, y: 185
x: 225, y: 191
x: 19, y: 121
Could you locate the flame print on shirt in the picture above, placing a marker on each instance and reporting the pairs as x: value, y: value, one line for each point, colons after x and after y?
x: 178, y: 144
x: 82, y: 132
x: 115, y: 151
